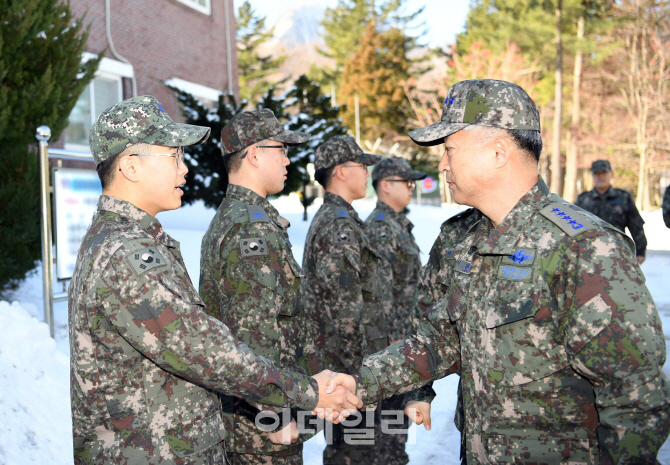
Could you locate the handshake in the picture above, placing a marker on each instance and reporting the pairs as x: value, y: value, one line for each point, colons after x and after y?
x: 337, y: 400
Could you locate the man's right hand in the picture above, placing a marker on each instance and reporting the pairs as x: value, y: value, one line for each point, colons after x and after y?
x: 288, y: 435
x: 419, y: 413
x: 336, y: 396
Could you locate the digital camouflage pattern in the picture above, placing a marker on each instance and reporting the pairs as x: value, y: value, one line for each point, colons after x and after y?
x: 484, y: 102
x: 617, y: 207
x: 344, y: 307
x: 250, y: 281
x: 249, y: 127
x: 558, y: 341
x: 341, y: 149
x: 146, y: 361
x: 665, y: 207
x: 395, y: 166
x: 139, y: 120
x: 341, y: 287
x: 390, y: 233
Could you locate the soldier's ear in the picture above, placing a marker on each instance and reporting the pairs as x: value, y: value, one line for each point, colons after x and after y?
x: 252, y: 156
x: 128, y: 168
x: 503, y: 150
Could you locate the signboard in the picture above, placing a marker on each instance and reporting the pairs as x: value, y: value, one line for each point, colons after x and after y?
x: 428, y: 185
x: 76, y: 194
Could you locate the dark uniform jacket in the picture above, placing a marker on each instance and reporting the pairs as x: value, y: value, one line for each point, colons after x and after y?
x: 617, y: 207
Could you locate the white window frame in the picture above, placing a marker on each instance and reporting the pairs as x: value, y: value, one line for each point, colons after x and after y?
x: 197, y: 90
x: 108, y: 69
x: 207, y: 9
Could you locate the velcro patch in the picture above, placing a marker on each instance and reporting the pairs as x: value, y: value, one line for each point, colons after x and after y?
x: 257, y: 214
x: 343, y: 237
x: 145, y: 260
x: 379, y: 217
x: 516, y: 273
x: 450, y: 255
x: 568, y: 218
x: 463, y: 266
x: 342, y: 213
x: 521, y: 256
x: 253, y: 247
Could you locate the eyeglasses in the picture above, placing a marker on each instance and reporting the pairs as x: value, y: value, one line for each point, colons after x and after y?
x: 179, y: 155
x: 410, y: 183
x: 284, y: 148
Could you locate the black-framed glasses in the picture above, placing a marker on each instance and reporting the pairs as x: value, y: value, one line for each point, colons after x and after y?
x: 179, y: 155
x: 411, y: 184
x: 284, y: 148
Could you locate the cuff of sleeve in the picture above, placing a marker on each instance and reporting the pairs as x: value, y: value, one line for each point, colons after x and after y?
x: 367, y: 387
x: 423, y: 394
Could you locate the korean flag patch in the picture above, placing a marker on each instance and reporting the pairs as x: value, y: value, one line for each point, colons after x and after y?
x: 253, y: 247
x: 146, y: 259
x: 343, y: 237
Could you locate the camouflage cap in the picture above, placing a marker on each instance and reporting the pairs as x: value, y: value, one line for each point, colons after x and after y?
x: 139, y: 120
x: 341, y: 149
x: 249, y: 127
x: 395, y: 166
x: 484, y: 102
x: 600, y: 165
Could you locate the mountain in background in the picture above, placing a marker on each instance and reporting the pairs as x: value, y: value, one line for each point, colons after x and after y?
x: 300, y: 24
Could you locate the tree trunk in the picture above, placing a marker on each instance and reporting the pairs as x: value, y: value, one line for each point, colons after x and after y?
x: 572, y: 156
x: 556, y: 175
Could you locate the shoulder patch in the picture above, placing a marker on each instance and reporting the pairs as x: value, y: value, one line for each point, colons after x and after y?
x: 341, y: 213
x: 145, y: 259
x: 257, y: 214
x: 253, y: 246
x: 383, y: 235
x: 343, y: 237
x: 379, y: 216
x: 568, y: 218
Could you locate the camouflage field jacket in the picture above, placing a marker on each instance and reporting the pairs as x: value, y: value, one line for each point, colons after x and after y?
x: 146, y: 361
x: 390, y: 233
x: 557, y: 339
x: 342, y: 292
x: 250, y: 281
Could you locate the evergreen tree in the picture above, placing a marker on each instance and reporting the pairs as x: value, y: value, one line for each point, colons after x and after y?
x: 344, y: 26
x: 303, y: 108
x: 253, y: 67
x: 378, y: 72
x: 42, y: 76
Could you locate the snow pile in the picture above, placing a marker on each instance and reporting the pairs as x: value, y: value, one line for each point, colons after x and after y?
x: 35, y: 423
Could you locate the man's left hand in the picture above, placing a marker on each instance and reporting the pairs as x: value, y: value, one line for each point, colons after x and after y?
x: 640, y: 259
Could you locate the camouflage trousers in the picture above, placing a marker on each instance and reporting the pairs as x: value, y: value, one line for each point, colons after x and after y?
x: 355, y: 440
x: 392, y: 446
x: 252, y: 459
x: 215, y: 455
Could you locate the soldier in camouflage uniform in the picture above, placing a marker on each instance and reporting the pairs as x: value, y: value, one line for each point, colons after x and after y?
x: 665, y: 207
x: 390, y: 232
x: 544, y: 310
x: 616, y: 206
x: 250, y: 281
x: 341, y: 289
x: 145, y: 361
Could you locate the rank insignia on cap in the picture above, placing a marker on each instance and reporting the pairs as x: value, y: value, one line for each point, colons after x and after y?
x: 253, y: 247
x: 344, y: 237
x: 146, y: 259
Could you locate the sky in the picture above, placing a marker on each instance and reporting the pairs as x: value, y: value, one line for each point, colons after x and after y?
x: 443, y: 18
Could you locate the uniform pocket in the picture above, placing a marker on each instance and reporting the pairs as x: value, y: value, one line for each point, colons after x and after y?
x: 553, y: 448
x: 524, y: 334
x: 192, y: 437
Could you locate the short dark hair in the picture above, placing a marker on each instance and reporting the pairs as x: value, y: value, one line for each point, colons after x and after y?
x: 233, y: 160
x: 375, y: 184
x: 107, y: 170
x: 323, y: 176
x: 528, y: 140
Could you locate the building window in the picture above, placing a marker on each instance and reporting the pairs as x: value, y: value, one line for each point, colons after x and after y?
x: 206, y: 95
x: 104, y: 91
x: 203, y: 6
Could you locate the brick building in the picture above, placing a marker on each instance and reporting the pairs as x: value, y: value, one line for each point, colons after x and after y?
x: 189, y: 44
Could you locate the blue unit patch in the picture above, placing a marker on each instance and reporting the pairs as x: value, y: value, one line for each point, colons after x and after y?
x: 616, y: 202
x: 519, y: 256
x: 449, y: 101
x: 463, y: 266
x: 257, y: 214
x: 514, y: 272
x: 161, y: 107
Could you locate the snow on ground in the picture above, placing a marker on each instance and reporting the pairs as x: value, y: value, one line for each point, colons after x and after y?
x: 35, y: 424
